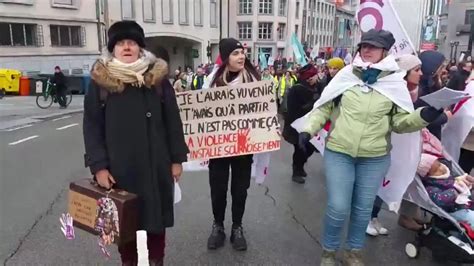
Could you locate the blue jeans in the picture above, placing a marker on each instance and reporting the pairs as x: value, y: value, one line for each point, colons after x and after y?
x: 352, y: 184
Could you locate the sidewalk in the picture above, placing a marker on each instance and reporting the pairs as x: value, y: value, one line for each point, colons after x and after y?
x: 20, y: 110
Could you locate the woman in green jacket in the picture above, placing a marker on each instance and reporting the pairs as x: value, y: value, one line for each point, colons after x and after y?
x: 365, y: 102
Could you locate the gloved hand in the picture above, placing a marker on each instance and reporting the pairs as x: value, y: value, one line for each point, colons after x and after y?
x: 430, y: 114
x: 303, y: 139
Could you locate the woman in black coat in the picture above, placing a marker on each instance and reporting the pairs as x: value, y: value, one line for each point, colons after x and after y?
x: 301, y: 99
x: 432, y: 81
x: 133, y: 133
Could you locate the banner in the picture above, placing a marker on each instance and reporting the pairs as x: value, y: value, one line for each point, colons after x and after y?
x: 428, y: 38
x: 380, y: 14
x: 405, y: 148
x: 460, y: 125
x: 230, y: 121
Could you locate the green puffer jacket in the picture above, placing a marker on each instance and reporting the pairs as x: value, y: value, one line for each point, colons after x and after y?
x: 362, y: 123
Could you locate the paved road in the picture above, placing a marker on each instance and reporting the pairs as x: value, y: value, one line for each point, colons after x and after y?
x: 18, y: 111
x: 282, y: 221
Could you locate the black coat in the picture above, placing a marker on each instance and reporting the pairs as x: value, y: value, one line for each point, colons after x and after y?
x: 301, y: 98
x: 458, y: 81
x: 60, y: 80
x: 136, y: 133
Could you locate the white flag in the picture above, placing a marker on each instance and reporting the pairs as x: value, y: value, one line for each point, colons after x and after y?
x: 381, y: 15
x: 314, y: 53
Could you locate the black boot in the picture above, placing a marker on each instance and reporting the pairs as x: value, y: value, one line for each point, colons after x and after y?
x: 298, y: 179
x: 217, y: 237
x: 298, y: 175
x: 299, y: 171
x: 237, y: 238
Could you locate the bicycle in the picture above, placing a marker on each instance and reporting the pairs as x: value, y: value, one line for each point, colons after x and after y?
x: 49, y: 96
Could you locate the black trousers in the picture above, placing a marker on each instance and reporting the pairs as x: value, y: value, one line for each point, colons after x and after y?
x: 466, y: 160
x: 300, y: 157
x: 377, y: 207
x: 219, y: 182
x: 61, y: 96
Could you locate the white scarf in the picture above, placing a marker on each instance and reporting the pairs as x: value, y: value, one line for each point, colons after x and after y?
x: 131, y: 73
x: 406, y: 148
x: 392, y: 86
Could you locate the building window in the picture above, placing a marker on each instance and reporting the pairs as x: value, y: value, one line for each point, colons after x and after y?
x: 265, y: 7
x: 297, y: 11
x: 17, y: 34
x: 296, y: 29
x: 248, y: 53
x: 70, y: 4
x: 149, y: 11
x: 282, y: 8
x: 281, y: 51
x: 265, y: 30
x: 281, y: 31
x: 127, y: 9
x: 213, y: 13
x: 20, y: 2
x: 245, y: 7
x: 467, y: 19
x: 183, y: 8
x: 245, y: 30
x: 167, y: 11
x: 67, y: 35
x: 198, y: 12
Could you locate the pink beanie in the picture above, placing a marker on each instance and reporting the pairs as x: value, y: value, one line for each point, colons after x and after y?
x: 427, y: 160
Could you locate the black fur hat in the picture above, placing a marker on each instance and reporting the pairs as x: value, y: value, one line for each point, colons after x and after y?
x: 126, y: 29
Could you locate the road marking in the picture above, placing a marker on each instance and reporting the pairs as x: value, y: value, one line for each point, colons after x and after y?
x: 61, y: 118
x: 16, y: 128
x: 23, y: 140
x: 68, y: 126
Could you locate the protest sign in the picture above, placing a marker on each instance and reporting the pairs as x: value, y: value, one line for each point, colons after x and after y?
x: 230, y: 121
x: 380, y: 14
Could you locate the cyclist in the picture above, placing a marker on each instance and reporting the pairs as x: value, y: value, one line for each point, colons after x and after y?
x: 59, y: 80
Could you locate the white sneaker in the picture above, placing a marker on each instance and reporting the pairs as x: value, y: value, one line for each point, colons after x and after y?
x: 371, y: 230
x: 378, y: 226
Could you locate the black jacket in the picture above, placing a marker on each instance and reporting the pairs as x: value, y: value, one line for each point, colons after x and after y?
x: 458, y: 81
x: 60, y: 80
x: 136, y: 133
x: 301, y: 98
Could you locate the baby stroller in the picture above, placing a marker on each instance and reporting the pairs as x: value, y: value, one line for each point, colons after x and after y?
x: 443, y: 235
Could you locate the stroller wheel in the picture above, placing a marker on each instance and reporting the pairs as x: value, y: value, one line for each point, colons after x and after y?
x: 411, y: 250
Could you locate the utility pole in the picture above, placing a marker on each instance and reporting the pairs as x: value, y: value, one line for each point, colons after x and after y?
x: 98, y: 12
x: 220, y: 20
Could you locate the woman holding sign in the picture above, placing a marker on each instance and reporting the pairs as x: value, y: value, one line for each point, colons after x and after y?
x: 133, y: 133
x: 365, y: 102
x: 235, y: 69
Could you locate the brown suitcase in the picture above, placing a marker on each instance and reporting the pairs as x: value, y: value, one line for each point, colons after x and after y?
x: 95, y: 210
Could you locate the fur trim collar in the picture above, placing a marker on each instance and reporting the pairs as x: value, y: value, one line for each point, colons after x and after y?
x: 153, y: 77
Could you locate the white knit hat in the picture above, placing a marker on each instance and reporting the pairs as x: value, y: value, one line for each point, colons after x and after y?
x: 427, y: 160
x: 407, y: 62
